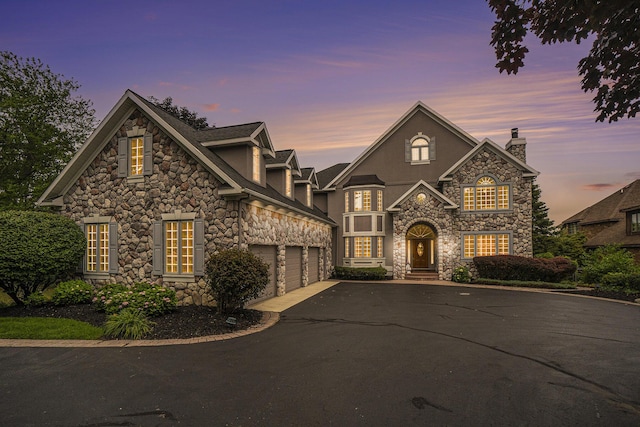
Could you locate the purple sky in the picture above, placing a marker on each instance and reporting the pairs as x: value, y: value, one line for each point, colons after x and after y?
x: 328, y: 77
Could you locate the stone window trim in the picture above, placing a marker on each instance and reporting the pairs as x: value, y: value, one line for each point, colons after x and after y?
x: 474, y: 190
x: 159, y: 246
x: 420, y: 149
x: 496, y: 234
x: 124, y: 154
x: 112, y: 226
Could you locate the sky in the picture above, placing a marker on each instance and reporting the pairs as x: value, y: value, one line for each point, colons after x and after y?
x: 329, y: 77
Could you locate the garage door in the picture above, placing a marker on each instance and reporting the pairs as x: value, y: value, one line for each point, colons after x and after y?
x: 268, y: 255
x: 314, y: 265
x: 293, y: 267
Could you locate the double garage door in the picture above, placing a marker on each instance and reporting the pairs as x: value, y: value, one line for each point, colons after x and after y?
x: 293, y: 269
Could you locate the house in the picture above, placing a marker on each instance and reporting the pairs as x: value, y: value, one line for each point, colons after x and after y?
x: 426, y: 197
x: 155, y: 196
x: 613, y: 220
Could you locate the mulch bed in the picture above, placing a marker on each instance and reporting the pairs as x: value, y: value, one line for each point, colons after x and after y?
x: 185, y: 322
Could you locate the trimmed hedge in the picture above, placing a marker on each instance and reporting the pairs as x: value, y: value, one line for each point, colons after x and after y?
x: 524, y: 284
x: 352, y: 273
x: 511, y: 267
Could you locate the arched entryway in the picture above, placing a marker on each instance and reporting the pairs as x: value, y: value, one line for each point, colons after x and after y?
x: 422, y: 241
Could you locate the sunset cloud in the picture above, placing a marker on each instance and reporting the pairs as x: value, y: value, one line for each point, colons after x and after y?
x: 211, y: 107
x: 600, y: 187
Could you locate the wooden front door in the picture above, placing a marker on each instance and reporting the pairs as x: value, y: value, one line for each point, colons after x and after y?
x: 420, y: 253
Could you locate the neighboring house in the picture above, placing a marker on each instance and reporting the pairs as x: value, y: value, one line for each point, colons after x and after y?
x: 613, y: 220
x: 155, y: 196
x: 428, y: 197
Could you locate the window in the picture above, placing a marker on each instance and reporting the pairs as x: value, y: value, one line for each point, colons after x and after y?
x: 178, y: 246
x: 309, y: 202
x: 347, y: 252
x: 287, y: 182
x: 485, y: 244
x: 362, y: 200
x: 380, y: 247
x: 572, y: 228
x: 346, y: 201
x: 135, y: 154
x: 635, y: 222
x: 420, y: 150
x: 101, y: 257
x: 380, y: 201
x: 256, y: 164
x: 486, y: 195
x: 362, y: 247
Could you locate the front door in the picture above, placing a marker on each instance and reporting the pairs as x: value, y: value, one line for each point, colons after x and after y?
x: 420, y: 255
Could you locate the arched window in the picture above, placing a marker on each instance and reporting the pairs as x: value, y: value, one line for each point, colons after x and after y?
x: 486, y: 195
x: 419, y: 150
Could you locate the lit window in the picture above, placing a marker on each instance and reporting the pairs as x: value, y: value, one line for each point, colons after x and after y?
x: 97, y: 248
x: 287, y: 182
x: 485, y: 244
x: 346, y: 248
x: 179, y: 247
x: 380, y: 249
x: 309, y: 195
x: 420, y: 150
x: 362, y: 247
x: 136, y: 156
x: 486, y: 195
x: 362, y: 200
x: 379, y: 200
x: 346, y: 201
x: 256, y: 164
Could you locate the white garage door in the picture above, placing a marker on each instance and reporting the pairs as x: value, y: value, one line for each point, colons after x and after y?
x: 293, y: 267
x: 314, y: 265
x: 268, y: 255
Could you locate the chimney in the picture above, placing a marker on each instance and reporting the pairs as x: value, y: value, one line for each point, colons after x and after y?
x: 517, y: 146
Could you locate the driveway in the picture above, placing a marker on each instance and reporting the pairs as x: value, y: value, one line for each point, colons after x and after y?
x: 357, y: 354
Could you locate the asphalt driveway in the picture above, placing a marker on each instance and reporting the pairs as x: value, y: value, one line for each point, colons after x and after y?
x: 357, y: 354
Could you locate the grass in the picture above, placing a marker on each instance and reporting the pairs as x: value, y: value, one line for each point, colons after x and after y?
x: 39, y: 328
x: 523, y: 284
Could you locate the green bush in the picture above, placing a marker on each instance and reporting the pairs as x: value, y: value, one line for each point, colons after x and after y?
x: 511, y: 267
x: 525, y: 284
x: 37, y: 250
x: 128, y: 324
x: 362, y: 273
x: 72, y: 292
x: 604, y: 260
x: 628, y: 281
x: 35, y: 299
x: 461, y: 274
x: 235, y: 277
x: 152, y: 300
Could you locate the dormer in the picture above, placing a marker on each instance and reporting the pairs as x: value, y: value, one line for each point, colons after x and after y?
x: 244, y: 147
x: 305, y: 185
x: 282, y: 170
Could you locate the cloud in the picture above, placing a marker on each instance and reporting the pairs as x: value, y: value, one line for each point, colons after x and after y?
x: 211, y: 107
x: 600, y: 187
x: 633, y: 175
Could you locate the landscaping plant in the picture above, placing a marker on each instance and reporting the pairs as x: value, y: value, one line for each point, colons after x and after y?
x: 37, y: 250
x: 152, y: 300
x: 129, y: 323
x: 235, y: 277
x: 72, y: 292
x: 461, y: 274
x: 360, y: 273
x: 605, y: 260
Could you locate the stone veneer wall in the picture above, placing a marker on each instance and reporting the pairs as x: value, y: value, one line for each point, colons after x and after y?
x: 264, y: 226
x: 178, y: 182
x: 450, y: 223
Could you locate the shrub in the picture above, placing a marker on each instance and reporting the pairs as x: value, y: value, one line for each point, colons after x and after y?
x: 128, y: 324
x: 35, y: 299
x: 72, y: 292
x: 152, y: 300
x: 511, y: 267
x: 461, y: 274
x: 235, y: 277
x: 628, y: 281
x: 352, y: 273
x: 604, y: 260
x: 37, y: 249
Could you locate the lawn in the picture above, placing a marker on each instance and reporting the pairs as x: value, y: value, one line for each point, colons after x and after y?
x: 40, y: 328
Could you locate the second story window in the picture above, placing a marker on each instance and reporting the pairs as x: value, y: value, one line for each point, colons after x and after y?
x: 419, y: 150
x: 256, y: 164
x: 136, y: 150
x: 287, y: 182
x: 635, y: 222
x: 346, y: 201
x: 309, y: 195
x: 135, y: 157
x: 362, y: 200
x: 379, y: 200
x: 486, y: 195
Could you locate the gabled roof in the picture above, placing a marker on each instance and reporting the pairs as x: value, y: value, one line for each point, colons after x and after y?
x: 284, y: 159
x: 527, y: 170
x: 253, y: 133
x: 325, y: 176
x: 355, y: 180
x: 308, y: 175
x: 448, y: 203
x: 233, y: 183
x: 418, y: 107
x: 611, y: 208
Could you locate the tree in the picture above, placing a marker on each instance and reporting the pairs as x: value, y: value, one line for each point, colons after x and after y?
x: 42, y: 123
x: 543, y: 228
x: 611, y: 68
x: 189, y: 117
